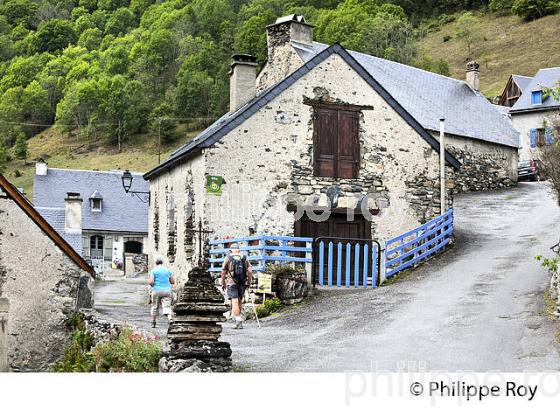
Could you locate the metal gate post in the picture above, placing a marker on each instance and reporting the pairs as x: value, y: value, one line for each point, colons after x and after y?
x: 309, y: 266
x: 4, y: 307
x: 382, y: 268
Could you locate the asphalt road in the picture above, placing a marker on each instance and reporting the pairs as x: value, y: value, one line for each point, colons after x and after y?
x: 479, y: 307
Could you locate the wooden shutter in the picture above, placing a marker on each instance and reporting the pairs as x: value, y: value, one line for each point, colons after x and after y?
x: 348, y: 147
x: 325, y: 146
x: 533, y: 137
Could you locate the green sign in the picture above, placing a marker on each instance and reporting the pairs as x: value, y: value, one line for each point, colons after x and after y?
x: 214, y: 185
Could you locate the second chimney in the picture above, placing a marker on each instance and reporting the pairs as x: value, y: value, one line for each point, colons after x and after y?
x: 73, y: 213
x: 473, y: 75
x: 242, y: 81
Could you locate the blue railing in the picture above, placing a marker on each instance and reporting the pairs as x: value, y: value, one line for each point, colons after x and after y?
x: 413, y: 246
x: 262, y: 249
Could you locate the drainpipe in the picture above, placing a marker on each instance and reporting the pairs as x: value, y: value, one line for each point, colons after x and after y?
x: 442, y: 164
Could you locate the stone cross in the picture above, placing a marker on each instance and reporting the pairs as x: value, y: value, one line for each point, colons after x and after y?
x: 201, y: 239
x: 4, y: 307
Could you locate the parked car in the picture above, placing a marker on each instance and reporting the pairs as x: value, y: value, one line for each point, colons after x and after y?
x: 530, y: 170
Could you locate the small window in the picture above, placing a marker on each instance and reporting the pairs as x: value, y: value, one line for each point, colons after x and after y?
x: 536, y: 97
x: 95, y: 204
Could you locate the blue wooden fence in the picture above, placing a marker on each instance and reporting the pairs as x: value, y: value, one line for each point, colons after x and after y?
x: 263, y: 249
x: 418, y: 244
x: 360, y: 266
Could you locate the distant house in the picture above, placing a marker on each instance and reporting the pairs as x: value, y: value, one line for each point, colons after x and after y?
x: 322, y: 126
x: 110, y: 222
x: 513, y: 90
x: 44, y: 279
x: 534, y: 114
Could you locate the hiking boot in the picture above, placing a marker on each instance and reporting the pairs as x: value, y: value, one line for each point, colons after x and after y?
x: 238, y: 325
x: 154, y: 324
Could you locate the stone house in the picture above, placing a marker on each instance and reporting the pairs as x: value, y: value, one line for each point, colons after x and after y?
x: 321, y: 128
x: 110, y: 222
x: 534, y: 115
x: 44, y: 279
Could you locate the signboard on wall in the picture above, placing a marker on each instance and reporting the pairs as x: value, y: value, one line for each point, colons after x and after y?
x: 214, y: 184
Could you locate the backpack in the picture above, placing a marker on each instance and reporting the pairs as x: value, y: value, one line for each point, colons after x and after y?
x: 238, y: 269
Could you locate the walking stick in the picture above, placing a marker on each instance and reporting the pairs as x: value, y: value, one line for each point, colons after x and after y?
x: 255, y: 309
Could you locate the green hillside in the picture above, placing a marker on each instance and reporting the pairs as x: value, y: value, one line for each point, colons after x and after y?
x: 510, y: 46
x: 61, y: 151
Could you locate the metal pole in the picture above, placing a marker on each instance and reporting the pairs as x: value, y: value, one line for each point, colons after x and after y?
x: 442, y: 165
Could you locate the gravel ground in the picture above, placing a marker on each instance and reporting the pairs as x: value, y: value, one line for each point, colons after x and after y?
x: 478, y: 307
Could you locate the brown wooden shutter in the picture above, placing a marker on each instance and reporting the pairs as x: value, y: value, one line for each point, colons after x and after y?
x: 325, y: 127
x: 348, y: 146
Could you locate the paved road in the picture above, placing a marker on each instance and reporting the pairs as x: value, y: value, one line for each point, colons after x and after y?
x: 125, y: 300
x: 479, y: 308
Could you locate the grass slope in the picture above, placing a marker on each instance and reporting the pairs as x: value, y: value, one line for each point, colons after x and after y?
x: 61, y: 151
x: 512, y: 46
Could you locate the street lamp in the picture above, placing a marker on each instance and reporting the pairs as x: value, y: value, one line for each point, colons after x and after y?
x: 127, y: 178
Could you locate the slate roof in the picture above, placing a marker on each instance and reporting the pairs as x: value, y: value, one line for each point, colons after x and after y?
x: 36, y: 217
x: 428, y: 97
x: 55, y: 218
x: 522, y: 81
x: 121, y: 212
x: 545, y: 78
x: 230, y: 121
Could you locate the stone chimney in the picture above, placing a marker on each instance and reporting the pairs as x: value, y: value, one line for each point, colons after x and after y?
x: 73, y: 213
x: 41, y: 168
x: 282, y: 57
x: 473, y: 75
x: 242, y: 80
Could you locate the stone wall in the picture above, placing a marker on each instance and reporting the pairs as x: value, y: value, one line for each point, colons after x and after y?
x: 484, y: 165
x: 41, y: 283
x: 276, y: 145
x: 187, y: 182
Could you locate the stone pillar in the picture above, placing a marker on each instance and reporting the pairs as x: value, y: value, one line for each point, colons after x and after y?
x: 4, y: 307
x: 194, y: 330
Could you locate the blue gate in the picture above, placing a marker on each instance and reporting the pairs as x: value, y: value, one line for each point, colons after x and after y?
x: 418, y: 244
x: 346, y: 262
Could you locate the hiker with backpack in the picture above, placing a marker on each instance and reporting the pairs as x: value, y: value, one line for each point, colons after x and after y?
x: 237, y: 274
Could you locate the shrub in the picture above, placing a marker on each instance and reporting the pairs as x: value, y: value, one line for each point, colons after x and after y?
x: 283, y: 271
x: 500, y: 6
x: 128, y: 353
x: 77, y: 358
x: 269, y: 307
x: 533, y: 9
x: 20, y: 148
